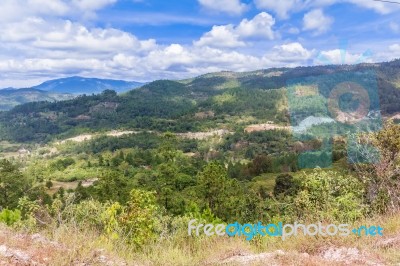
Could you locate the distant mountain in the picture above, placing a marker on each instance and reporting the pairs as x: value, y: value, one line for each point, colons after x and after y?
x: 62, y: 89
x: 80, y: 85
x: 11, y: 97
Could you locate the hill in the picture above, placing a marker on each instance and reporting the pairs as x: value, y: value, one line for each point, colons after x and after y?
x: 219, y: 100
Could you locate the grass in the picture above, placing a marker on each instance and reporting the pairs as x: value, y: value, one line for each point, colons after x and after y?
x: 75, y: 245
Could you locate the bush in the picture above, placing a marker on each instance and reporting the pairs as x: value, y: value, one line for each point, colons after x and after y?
x: 10, y: 217
x: 329, y: 196
x: 136, y: 222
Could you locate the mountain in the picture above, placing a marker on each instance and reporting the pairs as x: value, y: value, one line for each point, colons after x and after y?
x: 225, y: 100
x: 11, y: 97
x: 61, y: 89
x: 81, y: 85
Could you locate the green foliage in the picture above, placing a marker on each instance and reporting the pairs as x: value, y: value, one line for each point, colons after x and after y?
x: 285, y: 185
x: 13, y: 184
x: 136, y: 222
x: 10, y: 217
x: 49, y: 184
x: 86, y: 214
x: 112, y: 186
x: 328, y: 196
x: 213, y: 181
x: 62, y: 164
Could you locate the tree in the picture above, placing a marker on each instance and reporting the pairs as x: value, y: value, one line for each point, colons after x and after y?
x: 213, y: 182
x: 13, y: 185
x: 285, y: 185
x: 382, y: 174
x: 49, y: 184
x: 139, y: 220
x: 112, y: 186
x: 168, y: 147
x: 261, y: 164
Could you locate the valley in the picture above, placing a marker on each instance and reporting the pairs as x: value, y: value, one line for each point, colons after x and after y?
x: 220, y: 147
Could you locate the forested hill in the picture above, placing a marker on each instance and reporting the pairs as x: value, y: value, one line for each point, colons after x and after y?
x: 217, y: 100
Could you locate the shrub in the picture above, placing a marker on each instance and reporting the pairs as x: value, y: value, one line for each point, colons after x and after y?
x: 10, y: 217
x: 136, y: 222
x: 329, y: 196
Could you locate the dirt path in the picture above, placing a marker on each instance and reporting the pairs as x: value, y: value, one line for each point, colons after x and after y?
x: 86, y: 137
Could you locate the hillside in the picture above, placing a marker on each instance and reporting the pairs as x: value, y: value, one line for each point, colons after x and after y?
x: 112, y: 179
x: 213, y: 101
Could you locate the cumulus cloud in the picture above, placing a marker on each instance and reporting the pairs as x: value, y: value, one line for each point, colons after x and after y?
x: 234, y: 7
x: 284, y: 8
x: 92, y: 4
x: 60, y: 35
x: 260, y: 26
x: 317, y: 21
x: 281, y: 8
x: 292, y: 53
x: 379, y: 7
x: 233, y: 36
x: 14, y: 10
x: 221, y: 36
x: 39, y: 43
x: 49, y: 50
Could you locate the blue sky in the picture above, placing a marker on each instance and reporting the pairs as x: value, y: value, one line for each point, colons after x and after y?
x: 145, y: 40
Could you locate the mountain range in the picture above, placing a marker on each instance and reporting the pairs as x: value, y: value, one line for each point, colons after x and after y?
x: 62, y: 89
x: 80, y: 85
x: 223, y: 100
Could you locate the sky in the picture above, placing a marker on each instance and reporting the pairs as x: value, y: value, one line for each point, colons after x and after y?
x: 145, y: 40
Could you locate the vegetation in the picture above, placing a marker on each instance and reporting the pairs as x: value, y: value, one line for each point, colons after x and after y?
x: 137, y: 191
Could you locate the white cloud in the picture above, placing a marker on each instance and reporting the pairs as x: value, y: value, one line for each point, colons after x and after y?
x: 395, y: 48
x: 292, y: 53
x: 37, y: 44
x: 234, y: 7
x: 260, y: 26
x: 284, y: 8
x: 40, y: 45
x: 15, y: 10
x: 37, y: 47
x: 281, y: 8
x: 379, y: 7
x: 58, y: 35
x: 234, y: 36
x: 92, y: 4
x: 220, y: 36
x: 317, y: 21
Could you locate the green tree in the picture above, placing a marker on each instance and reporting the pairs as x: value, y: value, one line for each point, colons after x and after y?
x: 285, y: 184
x: 13, y: 185
x: 112, y: 186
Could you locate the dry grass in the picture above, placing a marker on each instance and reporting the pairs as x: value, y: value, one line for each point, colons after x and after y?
x: 68, y: 245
